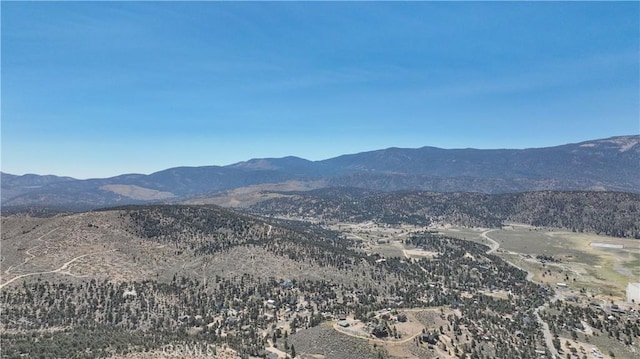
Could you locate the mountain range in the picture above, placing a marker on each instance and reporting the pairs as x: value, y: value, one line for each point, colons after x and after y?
x: 611, y: 164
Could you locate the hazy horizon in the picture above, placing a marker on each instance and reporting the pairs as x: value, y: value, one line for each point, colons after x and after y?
x: 92, y: 90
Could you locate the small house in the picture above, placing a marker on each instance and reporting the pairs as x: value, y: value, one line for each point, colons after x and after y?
x: 429, y: 339
x: 129, y: 293
x: 286, y: 284
x: 402, y: 317
x: 380, y: 331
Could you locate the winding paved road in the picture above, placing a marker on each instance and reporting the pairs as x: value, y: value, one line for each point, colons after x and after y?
x: 494, y: 245
x: 548, y: 337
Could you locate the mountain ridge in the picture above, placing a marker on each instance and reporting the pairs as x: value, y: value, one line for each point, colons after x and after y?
x: 603, y: 164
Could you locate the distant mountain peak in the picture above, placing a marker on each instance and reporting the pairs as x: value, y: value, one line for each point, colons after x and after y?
x: 271, y: 163
x: 256, y: 164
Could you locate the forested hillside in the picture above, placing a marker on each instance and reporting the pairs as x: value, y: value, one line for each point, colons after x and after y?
x: 608, y: 213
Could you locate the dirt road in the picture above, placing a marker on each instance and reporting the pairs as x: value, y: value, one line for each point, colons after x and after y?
x: 59, y: 270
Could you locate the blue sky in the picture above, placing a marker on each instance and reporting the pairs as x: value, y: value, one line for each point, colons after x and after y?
x: 99, y: 89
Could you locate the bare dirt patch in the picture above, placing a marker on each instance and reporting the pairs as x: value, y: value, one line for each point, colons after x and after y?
x: 137, y: 192
x: 247, y: 196
x: 418, y: 253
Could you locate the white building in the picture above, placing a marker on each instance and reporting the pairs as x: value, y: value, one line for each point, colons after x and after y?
x: 129, y: 293
x: 633, y: 292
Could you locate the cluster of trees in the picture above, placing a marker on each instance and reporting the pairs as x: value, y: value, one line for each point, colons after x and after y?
x: 97, y: 319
